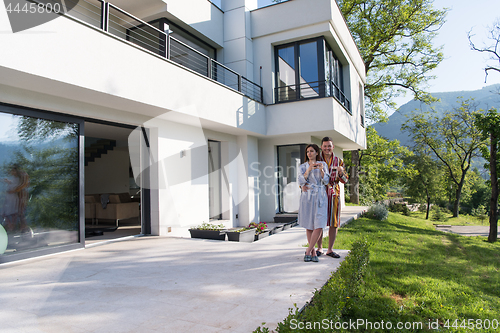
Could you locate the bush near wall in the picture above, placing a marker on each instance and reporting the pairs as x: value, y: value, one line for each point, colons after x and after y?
x: 335, y: 298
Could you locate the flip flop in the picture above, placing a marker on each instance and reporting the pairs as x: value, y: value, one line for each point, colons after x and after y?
x: 333, y: 255
x: 319, y: 253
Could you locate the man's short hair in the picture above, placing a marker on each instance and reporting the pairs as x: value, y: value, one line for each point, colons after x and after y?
x: 326, y: 138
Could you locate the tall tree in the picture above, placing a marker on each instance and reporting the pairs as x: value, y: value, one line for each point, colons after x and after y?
x: 395, y: 41
x: 454, y: 139
x: 489, y: 124
x: 423, y: 178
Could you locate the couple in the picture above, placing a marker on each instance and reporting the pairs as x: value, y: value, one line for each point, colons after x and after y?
x: 319, y: 179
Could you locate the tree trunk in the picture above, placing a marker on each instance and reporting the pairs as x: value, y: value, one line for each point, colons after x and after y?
x: 354, y: 178
x: 458, y: 194
x: 428, y: 208
x: 492, y: 237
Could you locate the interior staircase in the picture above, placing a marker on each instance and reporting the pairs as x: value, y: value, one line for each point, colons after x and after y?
x: 97, y: 149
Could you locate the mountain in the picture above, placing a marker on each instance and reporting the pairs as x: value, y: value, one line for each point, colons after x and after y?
x: 486, y: 98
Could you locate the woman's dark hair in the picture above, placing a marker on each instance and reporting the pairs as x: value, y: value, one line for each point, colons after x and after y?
x: 315, y: 146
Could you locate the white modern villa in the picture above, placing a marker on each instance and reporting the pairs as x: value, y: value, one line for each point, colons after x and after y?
x: 169, y: 113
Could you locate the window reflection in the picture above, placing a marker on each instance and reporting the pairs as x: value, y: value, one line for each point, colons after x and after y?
x: 39, y: 187
x: 286, y: 76
x: 318, y: 72
x: 309, y: 70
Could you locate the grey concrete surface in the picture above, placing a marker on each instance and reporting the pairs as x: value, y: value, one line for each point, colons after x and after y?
x: 466, y: 230
x: 164, y: 284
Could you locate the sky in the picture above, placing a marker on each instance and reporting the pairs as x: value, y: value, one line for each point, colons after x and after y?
x: 462, y: 68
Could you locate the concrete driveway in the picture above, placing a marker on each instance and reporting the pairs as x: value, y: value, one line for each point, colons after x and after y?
x: 164, y: 284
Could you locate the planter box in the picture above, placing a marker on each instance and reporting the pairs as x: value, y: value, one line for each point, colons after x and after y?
x: 261, y: 235
x: 243, y: 236
x: 276, y: 230
x: 208, y: 234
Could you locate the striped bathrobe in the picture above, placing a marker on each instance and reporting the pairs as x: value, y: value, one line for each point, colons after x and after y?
x: 333, y: 189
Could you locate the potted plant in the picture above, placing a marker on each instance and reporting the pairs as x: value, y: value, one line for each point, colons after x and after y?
x: 261, y: 230
x: 208, y: 231
x: 241, y: 235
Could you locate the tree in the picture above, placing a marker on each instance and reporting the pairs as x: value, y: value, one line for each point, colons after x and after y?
x: 454, y: 140
x: 423, y: 179
x: 382, y: 165
x: 492, y: 49
x: 395, y: 42
x: 489, y: 124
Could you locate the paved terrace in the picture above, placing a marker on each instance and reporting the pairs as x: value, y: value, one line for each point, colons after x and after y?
x: 163, y: 284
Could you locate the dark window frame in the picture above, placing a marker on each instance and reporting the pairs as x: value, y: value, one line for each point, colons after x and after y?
x: 42, y: 114
x: 323, y: 50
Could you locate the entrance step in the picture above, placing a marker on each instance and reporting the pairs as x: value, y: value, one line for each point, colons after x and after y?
x: 284, y: 218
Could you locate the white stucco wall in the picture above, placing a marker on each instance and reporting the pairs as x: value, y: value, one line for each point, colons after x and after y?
x: 114, y: 74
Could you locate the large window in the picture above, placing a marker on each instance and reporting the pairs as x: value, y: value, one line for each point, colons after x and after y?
x: 308, y: 69
x: 289, y: 159
x: 39, y: 187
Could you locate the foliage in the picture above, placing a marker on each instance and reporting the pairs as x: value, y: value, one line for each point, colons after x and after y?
x: 261, y: 227
x: 377, y: 211
x: 399, y: 208
x: 489, y: 124
x: 337, y: 296
x: 453, y: 139
x: 479, y: 212
x: 241, y: 229
x: 382, y: 164
x: 423, y: 177
x: 475, y: 192
x: 209, y: 226
x: 438, y: 214
x: 395, y: 39
x: 48, y: 153
x: 417, y: 274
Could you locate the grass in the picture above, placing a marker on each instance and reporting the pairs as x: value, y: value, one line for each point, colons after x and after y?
x: 462, y: 219
x: 419, y: 275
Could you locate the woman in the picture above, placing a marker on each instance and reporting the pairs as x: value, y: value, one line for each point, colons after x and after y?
x: 313, y: 175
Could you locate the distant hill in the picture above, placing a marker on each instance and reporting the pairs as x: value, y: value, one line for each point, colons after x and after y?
x: 486, y: 98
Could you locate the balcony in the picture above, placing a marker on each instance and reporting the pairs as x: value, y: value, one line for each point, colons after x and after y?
x: 115, y: 21
x: 316, y: 89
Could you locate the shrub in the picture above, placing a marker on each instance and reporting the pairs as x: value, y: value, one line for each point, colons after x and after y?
x: 378, y: 211
x: 406, y: 211
x: 209, y: 226
x: 480, y: 213
x: 422, y: 208
x: 337, y: 295
x: 438, y: 214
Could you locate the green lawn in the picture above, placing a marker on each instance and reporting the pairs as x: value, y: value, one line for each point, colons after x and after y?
x: 419, y: 275
x: 460, y: 220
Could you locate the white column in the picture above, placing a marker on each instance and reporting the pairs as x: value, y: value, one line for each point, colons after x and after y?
x: 238, y: 49
x: 248, y: 177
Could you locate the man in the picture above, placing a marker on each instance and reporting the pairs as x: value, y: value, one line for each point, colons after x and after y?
x: 337, y: 174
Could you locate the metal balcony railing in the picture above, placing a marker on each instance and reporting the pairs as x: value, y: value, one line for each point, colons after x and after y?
x: 314, y: 89
x: 121, y: 24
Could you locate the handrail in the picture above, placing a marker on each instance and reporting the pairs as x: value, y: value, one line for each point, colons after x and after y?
x: 314, y: 89
x: 164, y: 41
